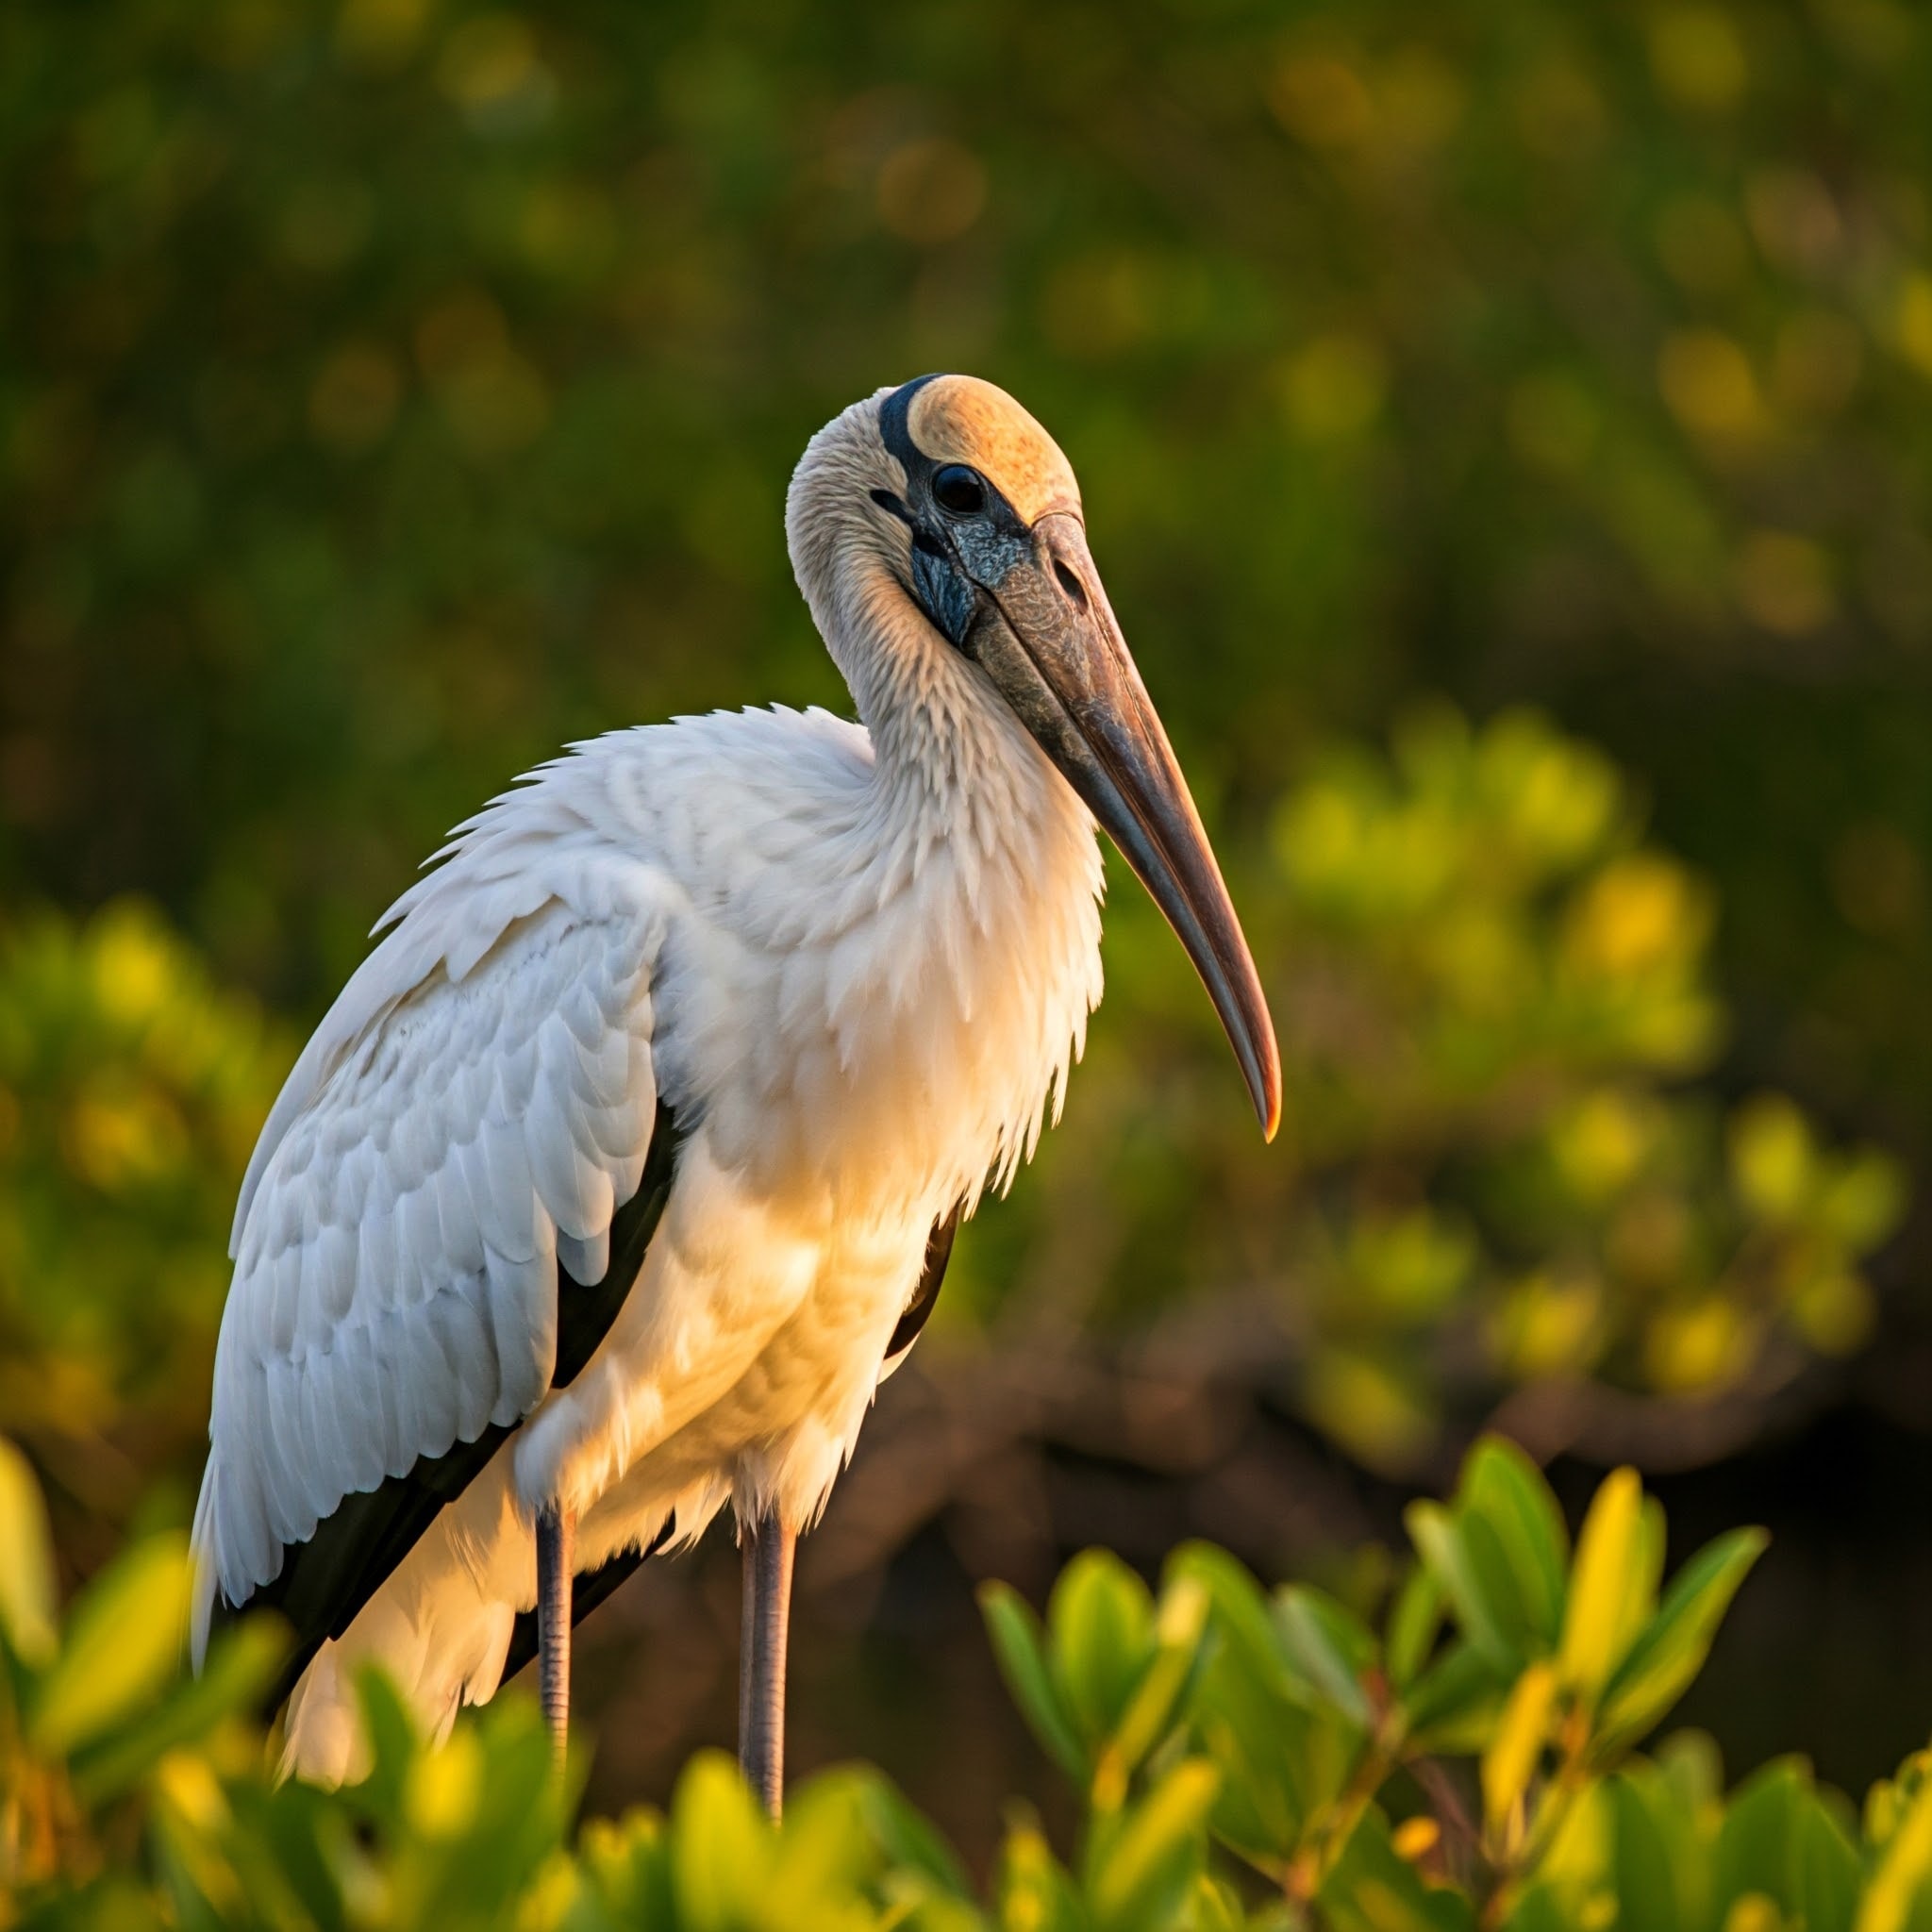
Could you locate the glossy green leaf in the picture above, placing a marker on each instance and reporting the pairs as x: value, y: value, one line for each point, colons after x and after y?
x: 27, y: 1561
x: 1830, y: 1873
x: 1757, y: 1846
x: 1033, y: 1891
x: 1180, y: 1624
x: 722, y: 1847
x: 1645, y: 1864
x: 1413, y: 1622
x: 1504, y: 1489
x: 1515, y: 1748
x: 1099, y: 1640
x: 1671, y: 1649
x: 239, y: 1669
x: 1019, y: 1644
x: 1440, y: 1544
x: 127, y: 1639
x: 908, y: 1841
x: 1897, y: 1893
x: 1606, y: 1607
x: 1372, y: 1888
x: 1455, y: 1702
x: 1329, y: 1645
x: 1152, y: 1858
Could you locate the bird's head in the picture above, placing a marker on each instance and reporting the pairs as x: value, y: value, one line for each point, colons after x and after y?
x: 975, y: 513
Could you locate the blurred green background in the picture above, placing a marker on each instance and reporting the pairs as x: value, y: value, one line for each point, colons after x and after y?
x: 1504, y: 428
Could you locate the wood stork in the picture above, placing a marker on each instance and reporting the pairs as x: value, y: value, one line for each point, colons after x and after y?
x: 629, y: 1162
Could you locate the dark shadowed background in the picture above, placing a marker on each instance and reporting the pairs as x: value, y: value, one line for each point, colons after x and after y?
x: 1504, y: 428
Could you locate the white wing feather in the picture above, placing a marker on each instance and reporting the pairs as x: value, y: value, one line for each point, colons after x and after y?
x: 478, y: 1103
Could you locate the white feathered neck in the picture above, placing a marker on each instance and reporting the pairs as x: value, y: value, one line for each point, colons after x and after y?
x: 881, y: 943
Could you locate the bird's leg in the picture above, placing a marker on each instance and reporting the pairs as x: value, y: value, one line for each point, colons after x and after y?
x: 768, y: 1547
x: 556, y: 1541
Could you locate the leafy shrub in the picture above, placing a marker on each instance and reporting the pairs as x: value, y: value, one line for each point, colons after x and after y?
x: 1242, y: 1759
x: 1491, y: 994
x: 132, y: 1089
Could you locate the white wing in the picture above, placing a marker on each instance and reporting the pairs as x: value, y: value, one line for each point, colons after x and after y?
x: 475, y: 1108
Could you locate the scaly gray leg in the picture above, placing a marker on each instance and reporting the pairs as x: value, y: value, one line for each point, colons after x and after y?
x: 556, y: 1542
x: 767, y: 1554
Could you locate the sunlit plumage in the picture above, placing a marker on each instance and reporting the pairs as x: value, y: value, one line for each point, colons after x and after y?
x: 792, y: 991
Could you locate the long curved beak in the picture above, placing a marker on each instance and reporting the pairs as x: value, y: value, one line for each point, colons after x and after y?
x: 1060, y: 661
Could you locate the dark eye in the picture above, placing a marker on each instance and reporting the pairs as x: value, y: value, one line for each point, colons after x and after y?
x: 958, y: 490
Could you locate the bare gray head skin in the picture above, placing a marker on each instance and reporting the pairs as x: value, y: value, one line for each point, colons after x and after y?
x: 998, y: 563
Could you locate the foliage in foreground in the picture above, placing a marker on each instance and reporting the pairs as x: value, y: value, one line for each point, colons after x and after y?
x: 1241, y: 1758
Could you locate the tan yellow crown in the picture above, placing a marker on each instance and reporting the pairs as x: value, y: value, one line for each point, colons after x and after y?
x: 959, y: 419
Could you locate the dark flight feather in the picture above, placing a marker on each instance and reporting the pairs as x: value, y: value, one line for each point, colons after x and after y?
x: 325, y: 1581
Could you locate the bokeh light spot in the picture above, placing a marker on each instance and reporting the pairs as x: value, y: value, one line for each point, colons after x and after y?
x: 1333, y: 389
x: 354, y: 398
x: 1784, y: 582
x: 1558, y: 111
x: 1708, y: 381
x: 1701, y: 244
x: 1878, y: 880
x: 489, y: 67
x: 1914, y: 321
x: 1553, y: 421
x: 1698, y: 57
x: 1817, y: 363
x: 1794, y: 219
x: 1321, y: 100
x: 931, y: 190
x: 379, y: 35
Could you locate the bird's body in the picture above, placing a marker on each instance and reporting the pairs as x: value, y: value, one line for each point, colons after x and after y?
x: 605, y: 1186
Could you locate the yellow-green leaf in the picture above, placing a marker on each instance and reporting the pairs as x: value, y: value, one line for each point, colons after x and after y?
x: 27, y: 1561
x: 1606, y: 1607
x: 1903, y: 1872
x: 127, y: 1639
x: 1511, y: 1757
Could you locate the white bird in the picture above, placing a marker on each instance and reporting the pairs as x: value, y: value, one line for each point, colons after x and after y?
x: 628, y: 1163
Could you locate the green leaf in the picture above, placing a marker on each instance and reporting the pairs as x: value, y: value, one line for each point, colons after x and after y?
x: 1278, y: 1759
x: 1240, y: 1613
x: 393, y: 1746
x: 239, y: 1669
x: 1100, y: 1639
x: 1180, y: 1625
x: 1371, y: 1887
x: 27, y: 1608
x: 1606, y: 1607
x: 1756, y: 1845
x: 1152, y: 1858
x: 1329, y: 1645
x: 624, y: 1865
x: 1512, y: 1757
x: 910, y: 1843
x: 1034, y: 1892
x: 1830, y: 1874
x: 1019, y: 1646
x: 1904, y: 1873
x: 127, y: 1638
x: 1646, y: 1877
x: 1502, y: 1486
x: 1453, y: 1706
x: 1440, y: 1544
x: 721, y: 1846
x: 1672, y: 1648
x: 1413, y: 1622
x: 1501, y: 1587
x: 827, y: 1853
